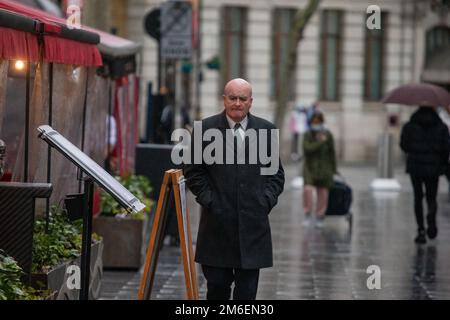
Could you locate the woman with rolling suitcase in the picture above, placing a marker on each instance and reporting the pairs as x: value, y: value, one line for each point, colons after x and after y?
x: 318, y: 169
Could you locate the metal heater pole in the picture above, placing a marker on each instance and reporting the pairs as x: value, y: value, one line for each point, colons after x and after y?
x: 49, y: 151
x: 27, y: 122
x: 108, y: 129
x: 87, y: 238
x: 83, y: 125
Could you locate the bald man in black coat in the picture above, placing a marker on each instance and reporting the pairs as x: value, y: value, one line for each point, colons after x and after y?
x: 234, y: 238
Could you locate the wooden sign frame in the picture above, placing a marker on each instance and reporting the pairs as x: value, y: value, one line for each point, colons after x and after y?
x: 173, y: 182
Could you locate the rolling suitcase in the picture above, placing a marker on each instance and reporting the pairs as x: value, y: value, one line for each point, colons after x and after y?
x: 340, y: 200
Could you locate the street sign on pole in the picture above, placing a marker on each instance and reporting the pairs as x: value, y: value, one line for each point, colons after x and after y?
x: 152, y: 24
x: 176, y: 30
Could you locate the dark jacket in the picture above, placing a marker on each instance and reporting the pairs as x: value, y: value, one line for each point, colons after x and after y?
x: 426, y: 142
x: 320, y: 159
x: 234, y: 230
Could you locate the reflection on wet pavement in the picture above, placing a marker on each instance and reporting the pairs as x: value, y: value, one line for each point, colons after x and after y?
x: 333, y: 262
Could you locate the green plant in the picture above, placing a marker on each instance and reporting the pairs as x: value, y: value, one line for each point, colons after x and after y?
x: 11, y: 285
x: 139, y: 186
x: 62, y: 240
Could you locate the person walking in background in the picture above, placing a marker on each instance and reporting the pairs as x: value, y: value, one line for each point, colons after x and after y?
x: 186, y: 122
x: 425, y: 140
x: 310, y: 112
x: 298, y: 127
x: 318, y: 169
x: 167, y: 118
x: 111, y: 152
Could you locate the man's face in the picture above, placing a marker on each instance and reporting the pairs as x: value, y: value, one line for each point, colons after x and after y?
x: 237, y: 101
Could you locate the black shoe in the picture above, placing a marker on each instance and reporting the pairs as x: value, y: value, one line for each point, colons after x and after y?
x: 420, y: 239
x: 432, y: 232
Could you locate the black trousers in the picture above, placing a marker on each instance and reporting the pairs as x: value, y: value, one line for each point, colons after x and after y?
x: 431, y: 188
x: 219, y: 282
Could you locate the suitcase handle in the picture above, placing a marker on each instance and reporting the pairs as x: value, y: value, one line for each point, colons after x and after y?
x: 338, y: 177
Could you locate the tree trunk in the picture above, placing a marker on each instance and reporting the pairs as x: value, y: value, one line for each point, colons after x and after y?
x: 302, y: 18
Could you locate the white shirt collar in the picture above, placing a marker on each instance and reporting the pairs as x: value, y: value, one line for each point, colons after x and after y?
x: 232, y: 123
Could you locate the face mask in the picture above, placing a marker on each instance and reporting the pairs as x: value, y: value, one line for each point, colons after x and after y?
x: 317, y: 127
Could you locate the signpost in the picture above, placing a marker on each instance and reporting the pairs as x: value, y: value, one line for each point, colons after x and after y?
x: 176, y: 30
x: 152, y: 25
x: 171, y: 26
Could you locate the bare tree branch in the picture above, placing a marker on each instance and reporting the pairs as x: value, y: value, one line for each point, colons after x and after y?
x: 302, y: 18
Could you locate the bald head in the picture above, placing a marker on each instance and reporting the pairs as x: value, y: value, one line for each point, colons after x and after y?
x: 237, y: 99
x: 238, y: 84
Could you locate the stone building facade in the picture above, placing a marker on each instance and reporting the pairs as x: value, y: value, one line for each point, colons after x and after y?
x: 340, y: 63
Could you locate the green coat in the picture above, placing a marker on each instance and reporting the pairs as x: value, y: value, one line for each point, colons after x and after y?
x: 319, y: 160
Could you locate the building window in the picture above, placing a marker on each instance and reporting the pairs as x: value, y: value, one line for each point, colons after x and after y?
x: 374, y: 61
x: 438, y: 40
x: 282, y: 20
x: 330, y: 47
x: 232, y: 53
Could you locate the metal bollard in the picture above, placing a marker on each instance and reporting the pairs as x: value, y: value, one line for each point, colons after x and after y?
x: 385, y: 155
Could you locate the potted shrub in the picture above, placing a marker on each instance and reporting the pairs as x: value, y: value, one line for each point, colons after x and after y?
x: 11, y: 285
x: 123, y: 234
x: 59, y: 247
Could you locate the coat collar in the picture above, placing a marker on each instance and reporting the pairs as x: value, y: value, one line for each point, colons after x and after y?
x: 223, y: 122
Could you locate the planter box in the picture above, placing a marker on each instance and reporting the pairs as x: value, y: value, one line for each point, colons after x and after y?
x: 56, y: 279
x: 123, y: 239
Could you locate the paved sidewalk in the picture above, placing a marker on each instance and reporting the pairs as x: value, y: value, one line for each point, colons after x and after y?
x: 330, y: 263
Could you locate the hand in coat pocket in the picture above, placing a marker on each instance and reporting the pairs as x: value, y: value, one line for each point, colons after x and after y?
x: 215, y: 207
x: 264, y: 201
x: 205, y: 199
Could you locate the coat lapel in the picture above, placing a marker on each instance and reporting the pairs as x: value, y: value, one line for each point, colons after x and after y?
x: 222, y: 122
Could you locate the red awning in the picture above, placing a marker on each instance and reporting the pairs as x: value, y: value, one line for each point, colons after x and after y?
x: 18, y: 45
x: 60, y: 44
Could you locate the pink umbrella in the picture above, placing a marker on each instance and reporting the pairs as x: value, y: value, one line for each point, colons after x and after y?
x: 419, y: 94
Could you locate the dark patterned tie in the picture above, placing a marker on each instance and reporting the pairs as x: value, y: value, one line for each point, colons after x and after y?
x: 237, y: 134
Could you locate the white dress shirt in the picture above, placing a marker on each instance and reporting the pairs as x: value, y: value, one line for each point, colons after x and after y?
x: 243, y: 127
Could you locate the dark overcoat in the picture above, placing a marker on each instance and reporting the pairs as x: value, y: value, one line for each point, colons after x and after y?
x: 425, y: 140
x: 236, y: 200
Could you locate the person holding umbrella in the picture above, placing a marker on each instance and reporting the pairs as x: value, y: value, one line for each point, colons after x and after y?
x: 425, y: 140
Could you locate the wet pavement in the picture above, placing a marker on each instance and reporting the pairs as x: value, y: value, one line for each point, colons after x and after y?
x: 336, y: 261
